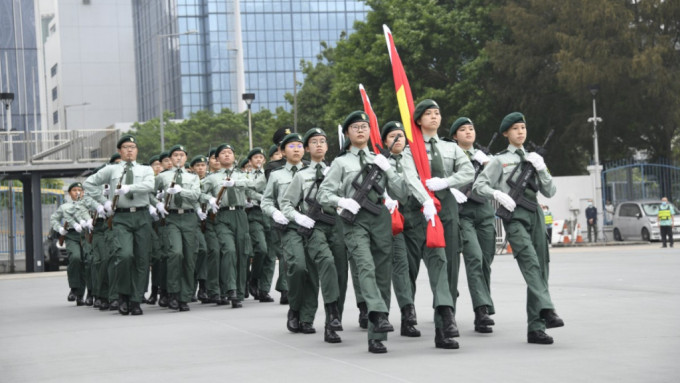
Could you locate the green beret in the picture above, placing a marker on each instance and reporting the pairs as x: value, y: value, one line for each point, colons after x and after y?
x: 176, y: 148
x: 211, y: 152
x: 353, y: 117
x: 163, y: 156
x: 186, y: 165
x: 311, y: 133
x: 198, y: 159
x: 114, y: 157
x: 458, y: 123
x: 242, y: 163
x: 75, y: 185
x: 254, y: 151
x: 391, y: 126
x: 124, y: 139
x: 510, y: 120
x: 272, y: 149
x: 293, y: 137
x: 280, y: 134
x: 422, y: 107
x: 222, y: 147
x: 154, y: 159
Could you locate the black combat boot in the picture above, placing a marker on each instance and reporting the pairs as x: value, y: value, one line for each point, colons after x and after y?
x: 334, y: 322
x: 442, y: 341
x: 449, y: 325
x: 363, y: 315
x: 408, y: 315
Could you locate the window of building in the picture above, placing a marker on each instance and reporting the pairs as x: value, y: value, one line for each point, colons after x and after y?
x: 55, y: 117
x: 54, y: 93
x: 53, y: 71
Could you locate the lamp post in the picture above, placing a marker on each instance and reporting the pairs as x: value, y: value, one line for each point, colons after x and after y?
x: 159, y: 38
x: 596, y: 159
x: 7, y: 99
x: 248, y: 98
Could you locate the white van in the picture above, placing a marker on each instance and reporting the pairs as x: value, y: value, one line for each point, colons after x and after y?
x: 638, y: 220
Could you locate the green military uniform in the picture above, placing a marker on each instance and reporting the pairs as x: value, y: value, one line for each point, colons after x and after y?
x: 181, y: 236
x: 72, y: 212
x: 131, y: 224
x: 525, y: 232
x: 368, y: 239
x: 160, y: 262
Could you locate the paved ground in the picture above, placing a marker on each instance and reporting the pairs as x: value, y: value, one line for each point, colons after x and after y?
x: 620, y: 305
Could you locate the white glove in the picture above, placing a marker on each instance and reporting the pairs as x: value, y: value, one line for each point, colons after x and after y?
x: 201, y: 215
x: 160, y: 195
x: 349, y: 204
x: 161, y: 209
x: 481, y: 157
x: 429, y: 211
x: 249, y: 204
x: 124, y: 189
x: 153, y: 212
x: 382, y: 162
x: 62, y: 231
x: 279, y: 218
x: 106, y: 190
x: 213, y: 204
x: 175, y: 189
x: 536, y: 160
x: 108, y: 206
x: 460, y: 197
x: 304, y: 221
x: 391, y: 204
x: 86, y: 224
x: 101, y: 211
x: 504, y: 200
x: 228, y: 183
x: 436, y: 184
x: 77, y: 227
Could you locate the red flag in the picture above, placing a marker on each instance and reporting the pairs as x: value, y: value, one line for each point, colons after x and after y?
x: 435, y: 234
x: 376, y: 141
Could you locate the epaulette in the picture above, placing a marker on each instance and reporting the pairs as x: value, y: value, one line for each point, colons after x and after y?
x: 165, y: 171
x: 277, y: 169
x: 501, y: 152
x: 447, y: 139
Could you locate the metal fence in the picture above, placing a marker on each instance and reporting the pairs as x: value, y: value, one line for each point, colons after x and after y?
x: 632, y: 179
x: 12, y: 222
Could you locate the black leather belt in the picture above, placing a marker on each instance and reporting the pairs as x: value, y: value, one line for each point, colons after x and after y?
x: 223, y: 208
x: 131, y: 209
x: 180, y: 211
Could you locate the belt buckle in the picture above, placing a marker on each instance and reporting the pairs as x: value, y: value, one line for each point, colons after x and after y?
x: 133, y: 209
x: 232, y: 207
x: 180, y: 211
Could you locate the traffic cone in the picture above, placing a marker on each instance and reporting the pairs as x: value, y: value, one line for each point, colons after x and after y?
x: 509, y: 249
x: 566, y: 239
x: 579, y: 237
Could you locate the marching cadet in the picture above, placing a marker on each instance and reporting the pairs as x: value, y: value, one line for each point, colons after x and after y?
x: 155, y: 255
x: 72, y: 213
x: 166, y: 162
x: 414, y: 239
x: 258, y: 227
x: 369, y: 237
x: 479, y: 235
x: 526, y: 230
x: 200, y: 166
x: 213, y: 164
x: 131, y: 221
x: 231, y: 224
x: 181, y: 191
x: 302, y: 287
x: 97, y: 252
x: 450, y: 170
x: 323, y: 241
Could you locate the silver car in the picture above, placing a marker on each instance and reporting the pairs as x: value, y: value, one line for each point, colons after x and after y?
x: 638, y: 220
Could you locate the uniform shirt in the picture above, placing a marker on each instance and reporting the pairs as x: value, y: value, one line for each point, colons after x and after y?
x: 140, y: 189
x: 470, y: 153
x: 213, y: 184
x: 256, y: 193
x: 295, y: 193
x: 191, y: 189
x: 71, y: 212
x: 498, y: 171
x: 408, y: 167
x: 338, y: 181
x: 458, y: 170
x: 279, y: 180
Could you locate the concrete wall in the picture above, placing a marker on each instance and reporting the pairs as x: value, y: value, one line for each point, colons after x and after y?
x: 573, y: 192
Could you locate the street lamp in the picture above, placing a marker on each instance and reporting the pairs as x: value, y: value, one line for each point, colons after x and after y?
x: 160, y: 78
x: 7, y: 99
x: 248, y: 98
x: 596, y: 158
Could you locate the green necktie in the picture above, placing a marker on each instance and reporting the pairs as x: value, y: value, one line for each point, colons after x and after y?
x: 293, y: 170
x: 178, y: 181
x: 436, y: 165
x: 362, y: 158
x: 467, y: 152
x: 231, y: 192
x: 397, y: 159
x: 520, y: 153
x: 129, y: 178
x: 319, y: 172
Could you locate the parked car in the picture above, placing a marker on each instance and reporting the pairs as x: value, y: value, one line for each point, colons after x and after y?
x: 55, y: 255
x: 638, y: 220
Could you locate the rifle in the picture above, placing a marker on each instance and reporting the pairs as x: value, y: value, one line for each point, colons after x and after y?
x: 526, y: 179
x: 371, y: 182
x: 315, y: 211
x: 467, y: 189
x: 219, y: 197
x: 62, y: 237
x: 114, y: 203
x: 168, y: 198
x: 90, y: 234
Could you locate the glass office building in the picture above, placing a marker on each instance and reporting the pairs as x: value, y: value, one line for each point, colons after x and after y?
x: 252, y: 46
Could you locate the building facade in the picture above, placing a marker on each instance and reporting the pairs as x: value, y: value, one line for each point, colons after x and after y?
x: 209, y: 52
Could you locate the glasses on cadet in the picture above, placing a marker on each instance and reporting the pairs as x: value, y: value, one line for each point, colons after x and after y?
x: 295, y: 146
x: 359, y: 127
